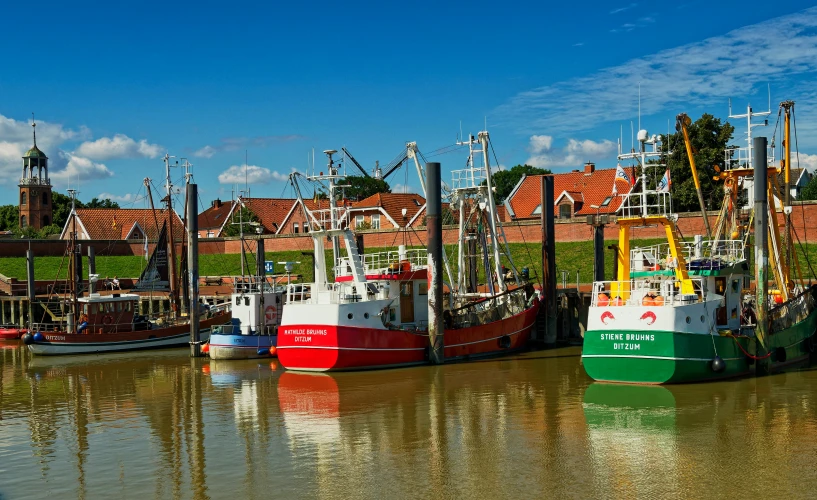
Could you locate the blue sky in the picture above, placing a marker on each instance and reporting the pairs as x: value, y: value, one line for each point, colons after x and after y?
x: 114, y: 87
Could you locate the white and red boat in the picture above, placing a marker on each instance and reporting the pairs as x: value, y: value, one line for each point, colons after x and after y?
x: 375, y: 312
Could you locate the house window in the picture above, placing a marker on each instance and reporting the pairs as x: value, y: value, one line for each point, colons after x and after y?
x: 306, y: 227
x: 46, y: 220
x: 23, y: 198
x: 376, y: 221
x: 358, y: 221
x: 45, y: 198
x: 211, y: 234
x: 23, y: 222
x: 422, y: 289
x: 295, y: 227
x: 537, y: 210
x: 565, y: 211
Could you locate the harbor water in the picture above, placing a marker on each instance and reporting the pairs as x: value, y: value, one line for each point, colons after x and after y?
x: 162, y: 425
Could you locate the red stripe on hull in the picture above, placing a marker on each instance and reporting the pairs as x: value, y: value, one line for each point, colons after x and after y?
x: 329, y: 347
x: 11, y: 333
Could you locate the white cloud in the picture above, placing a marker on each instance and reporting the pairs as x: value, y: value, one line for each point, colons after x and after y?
x: 17, y: 138
x: 78, y: 168
x: 127, y: 198
x: 539, y: 143
x: 252, y: 174
x: 622, y: 9
x: 401, y: 188
x: 574, y: 154
x: 205, y: 152
x: 706, y: 73
x: 118, y: 147
x: 805, y: 161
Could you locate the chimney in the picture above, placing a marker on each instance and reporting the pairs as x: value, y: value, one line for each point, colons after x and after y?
x: 217, y: 203
x: 589, y: 168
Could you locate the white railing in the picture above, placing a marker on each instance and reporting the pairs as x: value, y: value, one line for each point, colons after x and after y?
x: 644, y: 204
x: 468, y: 178
x: 643, y: 292
x: 740, y: 157
x: 390, y: 262
x: 253, y: 284
x: 333, y: 293
x: 35, y: 181
x: 658, y: 257
x: 322, y: 219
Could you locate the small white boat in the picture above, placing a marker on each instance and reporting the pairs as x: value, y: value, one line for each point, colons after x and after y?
x: 256, y: 314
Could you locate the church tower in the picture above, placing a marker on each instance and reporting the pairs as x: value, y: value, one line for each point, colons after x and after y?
x: 35, y: 189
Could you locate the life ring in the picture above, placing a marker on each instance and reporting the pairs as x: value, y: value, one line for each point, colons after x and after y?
x: 107, y: 319
x: 271, y: 313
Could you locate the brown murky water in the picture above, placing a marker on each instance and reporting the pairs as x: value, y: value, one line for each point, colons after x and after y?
x: 162, y: 425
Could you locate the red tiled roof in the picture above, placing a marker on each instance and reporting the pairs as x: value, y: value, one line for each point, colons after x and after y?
x: 586, y: 188
x: 270, y: 211
x: 116, y: 223
x: 215, y: 215
x: 393, y: 204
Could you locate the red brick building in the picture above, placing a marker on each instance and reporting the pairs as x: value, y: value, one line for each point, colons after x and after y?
x: 121, y: 224
x: 574, y: 194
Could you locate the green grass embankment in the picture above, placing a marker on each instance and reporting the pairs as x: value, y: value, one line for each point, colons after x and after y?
x: 570, y: 256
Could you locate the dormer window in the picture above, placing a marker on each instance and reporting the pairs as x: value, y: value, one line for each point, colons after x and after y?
x: 565, y: 211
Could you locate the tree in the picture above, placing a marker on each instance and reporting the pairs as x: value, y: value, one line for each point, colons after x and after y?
x: 809, y: 192
x: 361, y: 187
x: 709, y: 137
x: 61, y: 208
x: 506, y: 180
x: 103, y: 203
x: 9, y: 217
x: 243, y: 216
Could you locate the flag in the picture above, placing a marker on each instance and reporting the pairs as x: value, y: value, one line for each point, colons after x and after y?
x: 620, y: 174
x: 113, y: 225
x: 147, y: 257
x: 665, y: 183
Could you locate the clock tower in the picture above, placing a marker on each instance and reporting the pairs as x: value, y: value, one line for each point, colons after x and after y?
x: 35, y: 189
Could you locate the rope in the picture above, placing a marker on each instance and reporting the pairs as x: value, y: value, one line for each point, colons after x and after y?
x: 752, y: 356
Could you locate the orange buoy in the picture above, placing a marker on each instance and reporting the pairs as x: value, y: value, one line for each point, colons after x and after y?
x: 273, y: 352
x: 778, y: 299
x: 658, y: 301
x: 617, y: 302
x: 603, y: 300
x: 205, y: 348
x: 647, y: 301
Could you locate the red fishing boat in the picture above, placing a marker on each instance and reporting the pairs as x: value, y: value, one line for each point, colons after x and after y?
x: 11, y: 332
x: 375, y: 312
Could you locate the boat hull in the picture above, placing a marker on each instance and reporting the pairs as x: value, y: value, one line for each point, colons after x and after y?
x: 241, y: 346
x: 325, y: 347
x: 661, y: 357
x: 667, y: 357
x: 11, y: 333
x: 62, y: 343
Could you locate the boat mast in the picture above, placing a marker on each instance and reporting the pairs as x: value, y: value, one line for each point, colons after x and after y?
x: 332, y: 205
x: 72, y: 265
x: 168, y: 190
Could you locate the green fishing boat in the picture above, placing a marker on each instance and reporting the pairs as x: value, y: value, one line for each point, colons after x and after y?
x: 682, y: 311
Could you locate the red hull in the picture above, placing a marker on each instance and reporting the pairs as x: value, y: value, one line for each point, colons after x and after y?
x: 11, y: 333
x: 327, y: 347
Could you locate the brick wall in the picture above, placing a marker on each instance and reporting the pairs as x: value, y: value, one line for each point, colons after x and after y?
x: 574, y: 229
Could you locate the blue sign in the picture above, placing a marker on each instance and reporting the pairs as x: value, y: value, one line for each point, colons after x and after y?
x: 268, y: 266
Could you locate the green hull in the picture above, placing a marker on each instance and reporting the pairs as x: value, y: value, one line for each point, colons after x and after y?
x: 662, y: 357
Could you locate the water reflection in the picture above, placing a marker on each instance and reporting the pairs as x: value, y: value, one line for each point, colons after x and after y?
x: 162, y: 425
